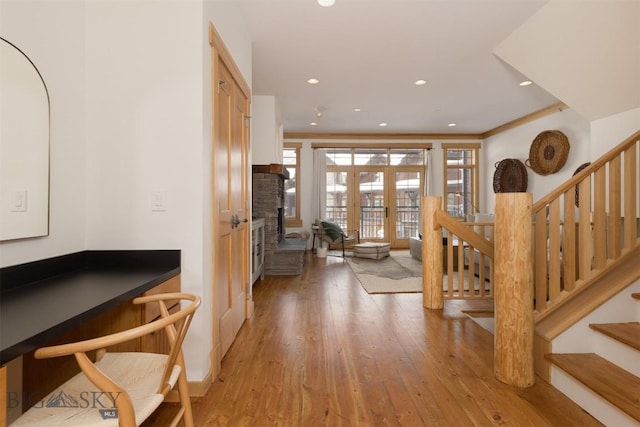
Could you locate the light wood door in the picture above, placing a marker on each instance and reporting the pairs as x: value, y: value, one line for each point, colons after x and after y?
x: 231, y: 182
x: 406, y: 186
x: 372, y: 206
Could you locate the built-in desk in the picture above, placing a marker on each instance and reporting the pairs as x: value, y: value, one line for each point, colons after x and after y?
x: 42, y: 300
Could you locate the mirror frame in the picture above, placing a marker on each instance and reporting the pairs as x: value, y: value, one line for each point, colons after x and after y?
x: 40, y: 220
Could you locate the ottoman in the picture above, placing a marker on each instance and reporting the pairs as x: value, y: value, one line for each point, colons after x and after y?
x: 371, y: 250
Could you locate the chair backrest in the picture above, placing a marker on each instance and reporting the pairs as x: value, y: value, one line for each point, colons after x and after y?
x: 166, y: 321
x: 176, y: 330
x: 332, y: 230
x: 175, y: 325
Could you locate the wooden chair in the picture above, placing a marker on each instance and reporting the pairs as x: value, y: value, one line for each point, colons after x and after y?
x: 120, y: 388
x: 333, y: 234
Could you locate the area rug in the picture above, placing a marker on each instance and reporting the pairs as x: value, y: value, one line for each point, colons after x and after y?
x: 398, y: 273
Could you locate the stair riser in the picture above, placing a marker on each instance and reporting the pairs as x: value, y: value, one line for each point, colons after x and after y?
x: 598, y: 407
x: 580, y: 337
x: 616, y: 352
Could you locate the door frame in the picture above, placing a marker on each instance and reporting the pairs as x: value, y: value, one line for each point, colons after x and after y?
x: 221, y: 54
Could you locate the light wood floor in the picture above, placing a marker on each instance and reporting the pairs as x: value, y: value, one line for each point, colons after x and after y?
x: 321, y: 351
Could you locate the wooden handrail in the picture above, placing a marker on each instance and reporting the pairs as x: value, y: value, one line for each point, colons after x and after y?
x: 577, y: 178
x: 575, y: 238
x: 460, y: 229
x: 459, y: 266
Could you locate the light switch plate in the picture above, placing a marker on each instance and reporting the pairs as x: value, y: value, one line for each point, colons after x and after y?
x: 19, y: 201
x: 159, y: 201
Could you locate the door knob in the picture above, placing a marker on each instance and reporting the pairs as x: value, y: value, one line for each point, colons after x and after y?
x: 235, y: 221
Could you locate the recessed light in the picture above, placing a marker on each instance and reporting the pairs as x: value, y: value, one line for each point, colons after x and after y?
x: 326, y: 3
x: 382, y: 124
x: 313, y: 81
x: 357, y: 110
x: 420, y: 82
x: 451, y: 125
x: 526, y: 83
x: 313, y: 124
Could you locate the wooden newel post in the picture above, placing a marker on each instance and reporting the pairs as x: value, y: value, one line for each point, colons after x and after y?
x: 513, y: 290
x: 431, y: 255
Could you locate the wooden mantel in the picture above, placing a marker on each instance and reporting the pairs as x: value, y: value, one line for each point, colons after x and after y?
x: 273, y: 168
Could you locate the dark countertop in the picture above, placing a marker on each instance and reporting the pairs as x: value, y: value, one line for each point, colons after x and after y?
x: 42, y: 299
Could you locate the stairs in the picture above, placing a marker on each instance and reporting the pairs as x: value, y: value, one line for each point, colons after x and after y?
x: 587, y: 335
x: 627, y: 333
x: 614, y: 384
x: 616, y: 381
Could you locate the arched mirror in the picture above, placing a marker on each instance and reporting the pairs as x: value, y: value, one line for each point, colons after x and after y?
x: 24, y: 146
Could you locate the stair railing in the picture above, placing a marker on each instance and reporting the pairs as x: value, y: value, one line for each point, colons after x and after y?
x: 585, y: 225
x: 548, y: 252
x: 467, y: 258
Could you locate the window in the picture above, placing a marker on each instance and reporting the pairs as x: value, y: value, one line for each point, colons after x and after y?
x: 291, y: 161
x: 461, y: 179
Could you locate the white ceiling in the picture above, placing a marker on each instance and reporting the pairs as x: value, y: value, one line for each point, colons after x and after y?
x: 368, y: 53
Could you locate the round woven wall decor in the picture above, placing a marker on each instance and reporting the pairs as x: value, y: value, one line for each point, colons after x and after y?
x: 548, y: 152
x: 510, y: 177
x: 582, y: 166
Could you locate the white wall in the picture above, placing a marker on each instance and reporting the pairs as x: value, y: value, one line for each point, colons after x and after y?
x: 266, y: 131
x: 230, y: 24
x: 52, y: 34
x: 515, y: 144
x: 589, y: 140
x: 145, y: 135
x: 144, y: 91
x: 581, y: 51
x: 608, y: 132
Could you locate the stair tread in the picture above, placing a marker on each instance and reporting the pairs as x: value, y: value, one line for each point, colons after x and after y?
x: 619, y: 387
x: 627, y: 333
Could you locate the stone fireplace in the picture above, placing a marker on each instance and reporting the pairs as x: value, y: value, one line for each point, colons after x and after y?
x: 268, y: 201
x: 281, y: 256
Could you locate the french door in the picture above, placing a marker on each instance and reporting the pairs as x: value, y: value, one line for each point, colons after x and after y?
x: 381, y: 202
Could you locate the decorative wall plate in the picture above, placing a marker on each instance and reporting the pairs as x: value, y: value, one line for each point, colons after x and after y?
x: 548, y: 152
x: 510, y: 177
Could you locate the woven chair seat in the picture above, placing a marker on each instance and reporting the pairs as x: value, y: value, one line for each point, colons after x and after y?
x: 138, y: 373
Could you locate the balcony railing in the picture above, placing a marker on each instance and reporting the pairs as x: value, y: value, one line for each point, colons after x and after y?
x: 372, y: 219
